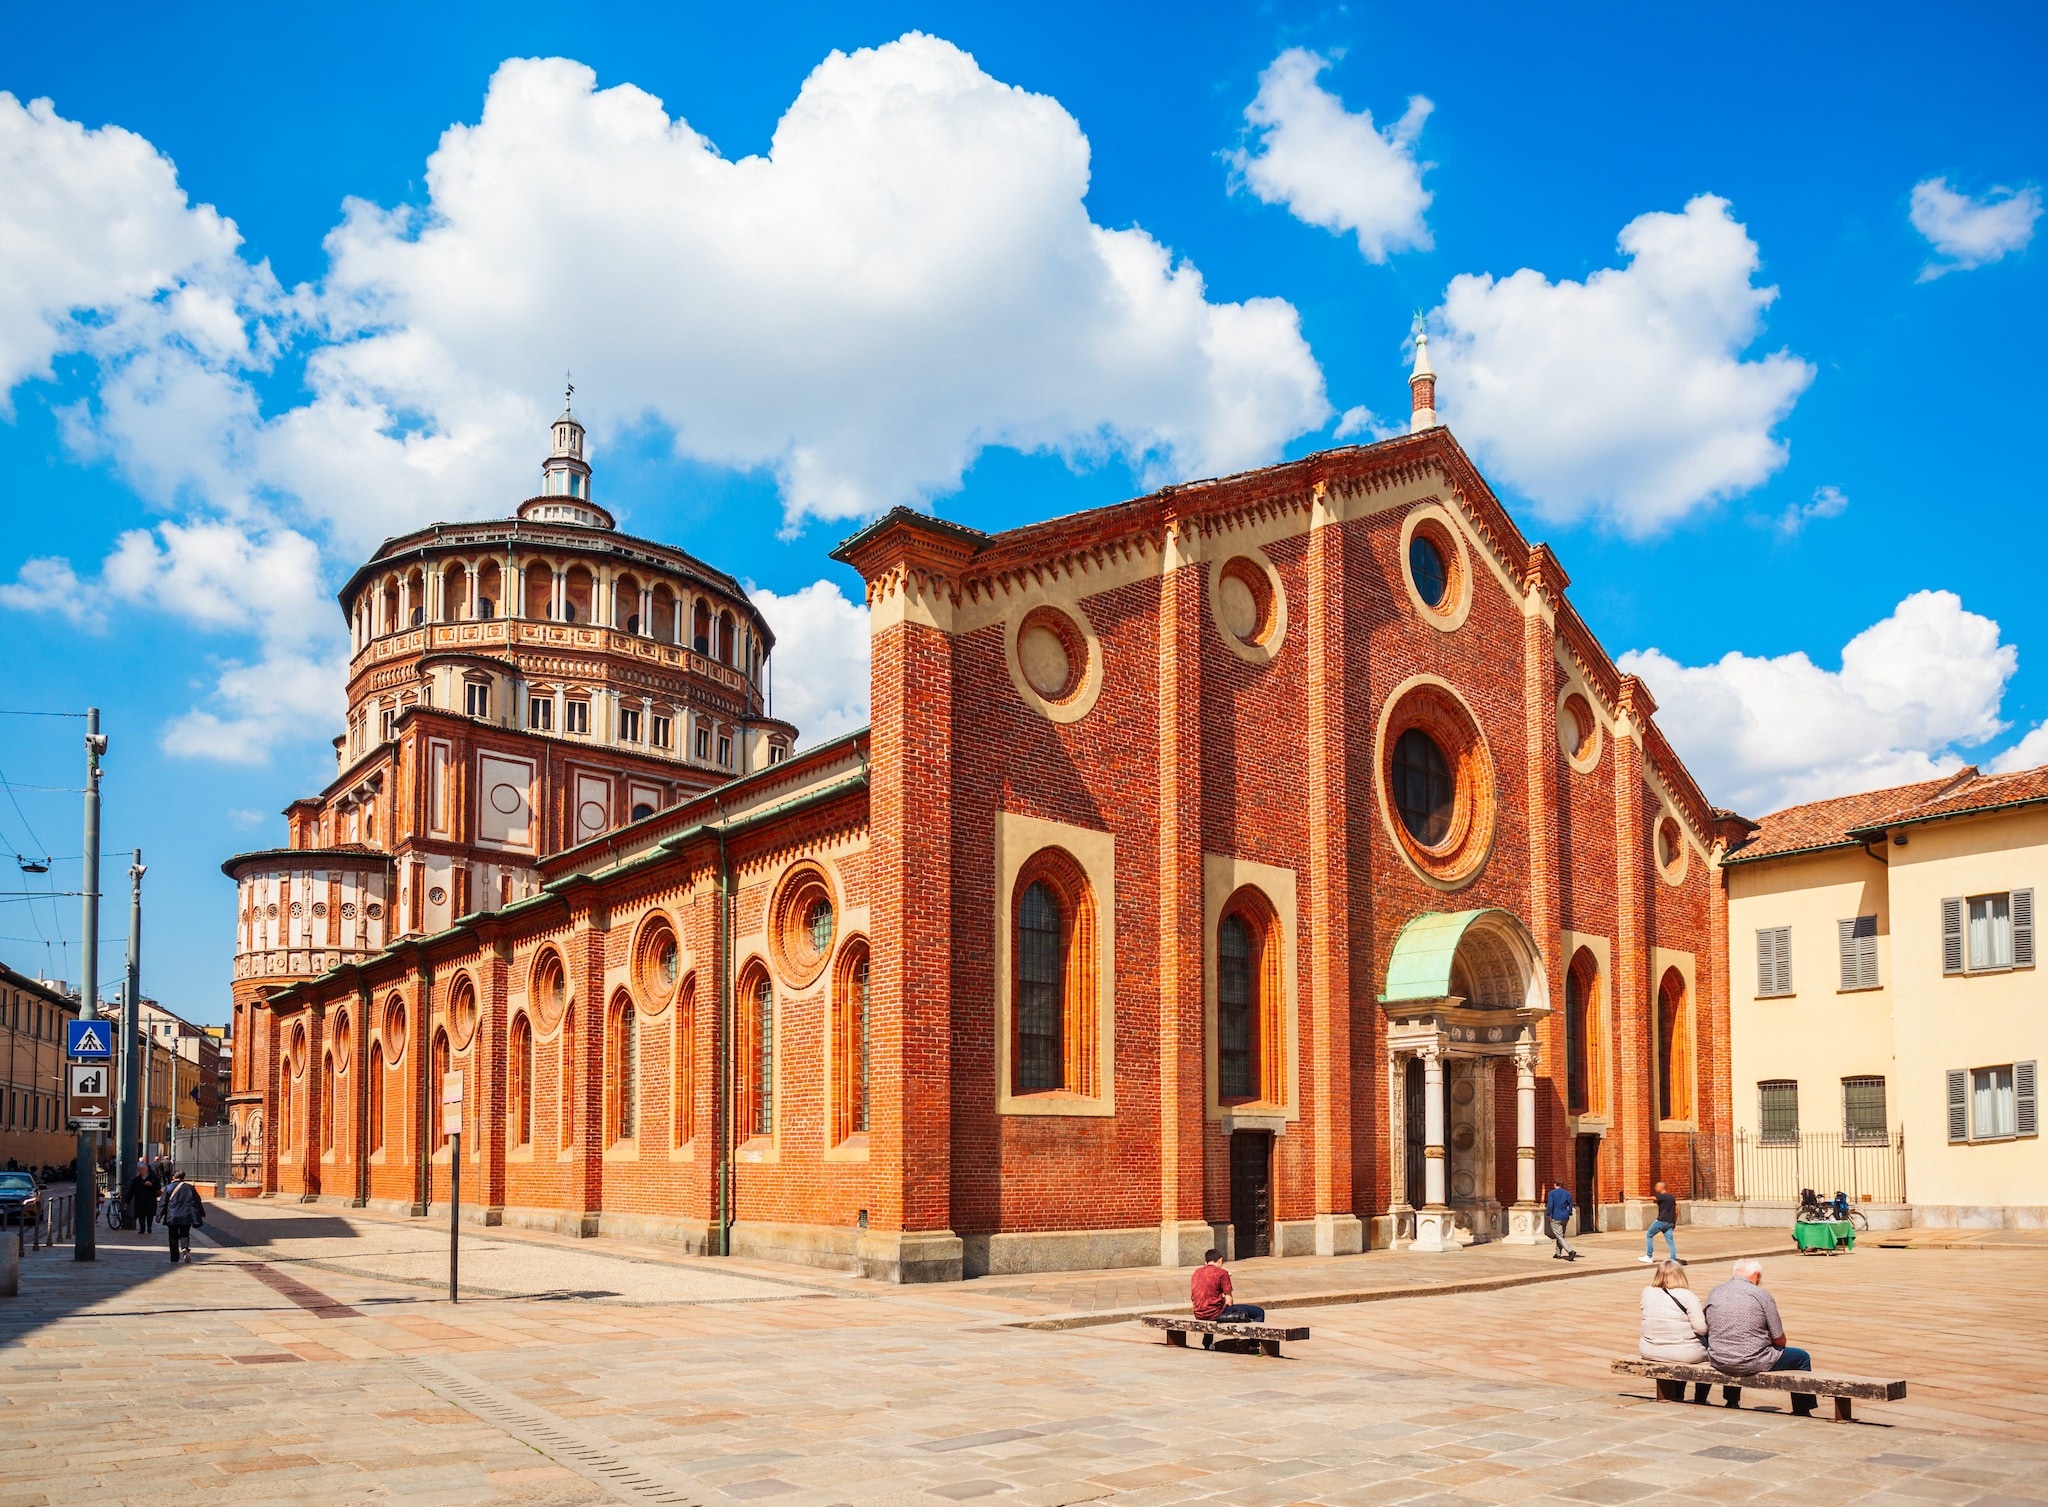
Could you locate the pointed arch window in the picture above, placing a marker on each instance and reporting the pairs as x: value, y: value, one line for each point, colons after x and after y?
x: 437, y: 1078
x: 1251, y: 1030
x: 376, y: 1091
x: 684, y: 1075
x: 622, y: 1085
x: 754, y: 1114
x: 521, y: 1086
x: 1585, y: 1087
x: 327, y: 1102
x: 850, y: 1042
x: 565, y: 1074
x: 1674, y: 1048
x: 1054, y: 1034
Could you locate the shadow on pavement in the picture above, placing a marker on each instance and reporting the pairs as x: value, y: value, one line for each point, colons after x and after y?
x: 228, y: 1228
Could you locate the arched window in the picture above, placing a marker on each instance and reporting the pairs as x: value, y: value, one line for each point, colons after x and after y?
x: 565, y: 1075
x: 376, y: 1092
x: 850, y: 1042
x: 754, y: 1113
x: 540, y: 591
x: 1583, y: 1091
x: 1674, y: 1049
x: 1237, y: 1049
x: 622, y: 1086
x: 726, y: 634
x: 700, y: 629
x: 1251, y: 1030
x: 327, y: 1102
x: 1041, y: 990
x: 683, y: 1076
x: 285, y: 1107
x: 437, y: 1077
x: 521, y: 1066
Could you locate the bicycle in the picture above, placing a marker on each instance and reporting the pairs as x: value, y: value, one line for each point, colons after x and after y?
x: 1837, y: 1210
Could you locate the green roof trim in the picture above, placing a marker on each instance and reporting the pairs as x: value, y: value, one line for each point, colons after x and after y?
x: 1421, y: 965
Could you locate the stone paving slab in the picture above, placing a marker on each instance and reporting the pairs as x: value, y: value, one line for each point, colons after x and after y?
x: 129, y: 1380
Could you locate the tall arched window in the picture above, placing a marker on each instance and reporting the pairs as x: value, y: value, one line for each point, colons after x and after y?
x: 375, y: 1087
x: 521, y: 1065
x: 1236, y: 1016
x: 327, y: 1102
x: 726, y: 634
x: 1054, y: 1032
x: 622, y: 1086
x: 285, y: 1108
x: 1251, y: 1030
x: 850, y: 1042
x: 754, y: 1113
x: 565, y: 1075
x: 1674, y: 1049
x: 1581, y: 1040
x: 1041, y: 991
x: 438, y: 1076
x: 683, y: 1077
x: 700, y: 629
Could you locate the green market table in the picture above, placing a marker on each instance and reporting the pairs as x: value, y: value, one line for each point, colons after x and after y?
x: 1824, y: 1235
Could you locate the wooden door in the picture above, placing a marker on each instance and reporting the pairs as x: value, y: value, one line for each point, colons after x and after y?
x: 1251, y: 1192
x: 1417, y: 1132
x: 1585, y: 1185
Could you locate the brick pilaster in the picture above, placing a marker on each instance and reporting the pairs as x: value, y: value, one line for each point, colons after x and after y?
x: 1545, y: 581
x: 1634, y: 1049
x: 1329, y: 922
x: 1181, y: 593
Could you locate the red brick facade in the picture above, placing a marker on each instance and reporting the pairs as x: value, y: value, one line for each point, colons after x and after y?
x: 1211, y: 714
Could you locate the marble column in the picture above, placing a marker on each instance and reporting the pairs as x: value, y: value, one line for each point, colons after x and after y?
x: 1525, y: 1219
x: 1433, y: 1219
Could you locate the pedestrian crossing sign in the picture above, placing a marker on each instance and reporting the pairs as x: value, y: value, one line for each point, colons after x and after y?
x: 90, y: 1040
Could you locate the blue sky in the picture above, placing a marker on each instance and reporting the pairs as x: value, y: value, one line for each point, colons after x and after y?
x: 966, y: 278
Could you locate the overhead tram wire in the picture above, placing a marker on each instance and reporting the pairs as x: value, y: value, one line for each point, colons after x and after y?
x: 63, y: 943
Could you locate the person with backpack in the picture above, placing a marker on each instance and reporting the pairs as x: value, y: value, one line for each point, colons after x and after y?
x: 1674, y: 1323
x: 182, y: 1210
x: 1558, y: 1207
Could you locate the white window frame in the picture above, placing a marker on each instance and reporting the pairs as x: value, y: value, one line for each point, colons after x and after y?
x: 629, y: 724
x: 1960, y: 954
x: 664, y: 731
x: 476, y: 698
x: 576, y: 716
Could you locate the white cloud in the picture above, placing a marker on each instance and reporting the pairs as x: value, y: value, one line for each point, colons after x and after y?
x: 47, y: 584
x: 1331, y: 167
x: 1625, y: 395
x: 1971, y: 232
x: 1362, y: 420
x: 1827, y: 502
x: 820, y: 664
x: 1764, y: 733
x: 257, y: 708
x: 908, y: 276
x: 2031, y: 752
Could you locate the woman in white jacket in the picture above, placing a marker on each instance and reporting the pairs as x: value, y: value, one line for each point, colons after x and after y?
x: 1674, y: 1323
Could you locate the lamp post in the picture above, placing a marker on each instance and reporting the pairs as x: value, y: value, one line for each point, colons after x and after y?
x: 131, y: 1012
x: 82, y: 1210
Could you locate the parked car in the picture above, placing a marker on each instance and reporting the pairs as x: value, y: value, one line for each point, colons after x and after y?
x: 21, y: 1201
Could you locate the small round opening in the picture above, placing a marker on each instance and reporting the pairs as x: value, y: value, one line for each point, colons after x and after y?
x: 1049, y: 654
x: 1424, y: 793
x: 1577, y: 730
x: 1426, y: 565
x: 1670, y: 844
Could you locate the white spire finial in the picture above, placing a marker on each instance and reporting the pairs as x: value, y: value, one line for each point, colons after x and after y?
x: 1422, y: 386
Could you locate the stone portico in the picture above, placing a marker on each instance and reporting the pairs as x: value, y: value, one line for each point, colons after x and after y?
x: 1464, y: 990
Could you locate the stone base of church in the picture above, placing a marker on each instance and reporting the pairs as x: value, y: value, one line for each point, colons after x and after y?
x: 910, y: 1255
x: 1011, y: 1254
x: 1633, y: 1215
x: 1339, y: 1234
x: 1435, y: 1230
x: 1187, y: 1242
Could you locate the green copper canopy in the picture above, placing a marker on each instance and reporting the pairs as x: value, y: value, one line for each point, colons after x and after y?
x: 1501, y: 966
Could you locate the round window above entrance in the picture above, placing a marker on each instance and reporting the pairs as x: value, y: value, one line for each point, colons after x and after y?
x: 1426, y: 565
x: 1436, y: 782
x: 1423, y: 792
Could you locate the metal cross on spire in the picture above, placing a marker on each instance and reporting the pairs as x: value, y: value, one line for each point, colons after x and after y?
x: 569, y: 389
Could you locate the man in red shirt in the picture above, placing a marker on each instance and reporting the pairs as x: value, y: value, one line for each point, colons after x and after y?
x: 1209, y: 1288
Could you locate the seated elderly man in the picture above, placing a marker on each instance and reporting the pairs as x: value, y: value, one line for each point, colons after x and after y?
x: 1745, y: 1336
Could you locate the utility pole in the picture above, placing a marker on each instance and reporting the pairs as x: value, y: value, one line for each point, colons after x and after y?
x: 131, y: 1016
x: 82, y: 1209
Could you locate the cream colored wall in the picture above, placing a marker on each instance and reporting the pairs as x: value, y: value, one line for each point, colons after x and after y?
x: 1983, y: 1020
x: 1820, y: 1033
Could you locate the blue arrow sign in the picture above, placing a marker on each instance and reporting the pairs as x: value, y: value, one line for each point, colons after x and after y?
x: 90, y: 1039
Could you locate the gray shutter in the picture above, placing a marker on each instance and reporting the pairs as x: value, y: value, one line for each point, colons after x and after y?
x: 2025, y: 1122
x: 1952, y: 935
x: 2022, y: 928
x: 1784, y: 960
x: 1858, y: 938
x: 1958, y: 1105
x: 1766, y: 961
x: 1846, y: 938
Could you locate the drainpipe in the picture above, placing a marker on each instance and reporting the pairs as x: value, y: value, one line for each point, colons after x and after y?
x: 423, y: 1043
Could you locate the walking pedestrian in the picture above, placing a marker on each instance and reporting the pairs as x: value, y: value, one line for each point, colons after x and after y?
x: 1665, y: 1222
x: 142, y: 1200
x: 182, y: 1210
x: 1557, y: 1207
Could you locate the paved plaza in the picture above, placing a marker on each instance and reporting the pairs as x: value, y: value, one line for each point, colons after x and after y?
x: 311, y: 1355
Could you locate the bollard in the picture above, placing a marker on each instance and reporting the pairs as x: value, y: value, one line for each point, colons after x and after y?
x: 10, y: 1263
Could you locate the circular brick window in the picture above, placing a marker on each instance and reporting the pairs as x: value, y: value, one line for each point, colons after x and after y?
x: 394, y: 1031
x: 548, y: 987
x: 1671, y: 854
x: 344, y: 1042
x: 658, y: 963
x: 319, y: 909
x: 1436, y: 568
x: 1436, y: 783
x: 1578, y: 732
x: 803, y: 922
x: 462, y: 1012
x: 1054, y: 661
x: 298, y: 1049
x: 1250, y: 608
x: 374, y: 911
x: 348, y: 910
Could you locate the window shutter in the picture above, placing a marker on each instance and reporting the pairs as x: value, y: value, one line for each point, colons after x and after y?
x: 1958, y: 1105
x: 1952, y: 935
x: 1766, y: 961
x: 2024, y: 1120
x: 2022, y: 928
x: 1847, y: 938
x: 1784, y: 960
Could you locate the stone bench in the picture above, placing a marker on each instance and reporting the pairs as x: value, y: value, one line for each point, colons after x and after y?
x: 1673, y: 1378
x: 1268, y: 1336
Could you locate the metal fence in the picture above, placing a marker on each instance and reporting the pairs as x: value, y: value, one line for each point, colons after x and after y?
x: 1778, y: 1169
x: 202, y: 1152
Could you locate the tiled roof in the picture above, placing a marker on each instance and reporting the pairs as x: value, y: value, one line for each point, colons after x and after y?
x: 1849, y: 819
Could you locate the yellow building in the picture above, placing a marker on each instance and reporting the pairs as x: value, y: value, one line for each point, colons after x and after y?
x: 1886, y: 1014
x: 32, y: 1016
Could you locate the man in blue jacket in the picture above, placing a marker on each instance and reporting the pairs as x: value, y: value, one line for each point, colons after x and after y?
x: 1558, y: 1206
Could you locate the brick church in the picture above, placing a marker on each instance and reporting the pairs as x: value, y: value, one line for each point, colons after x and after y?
x: 1274, y: 863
